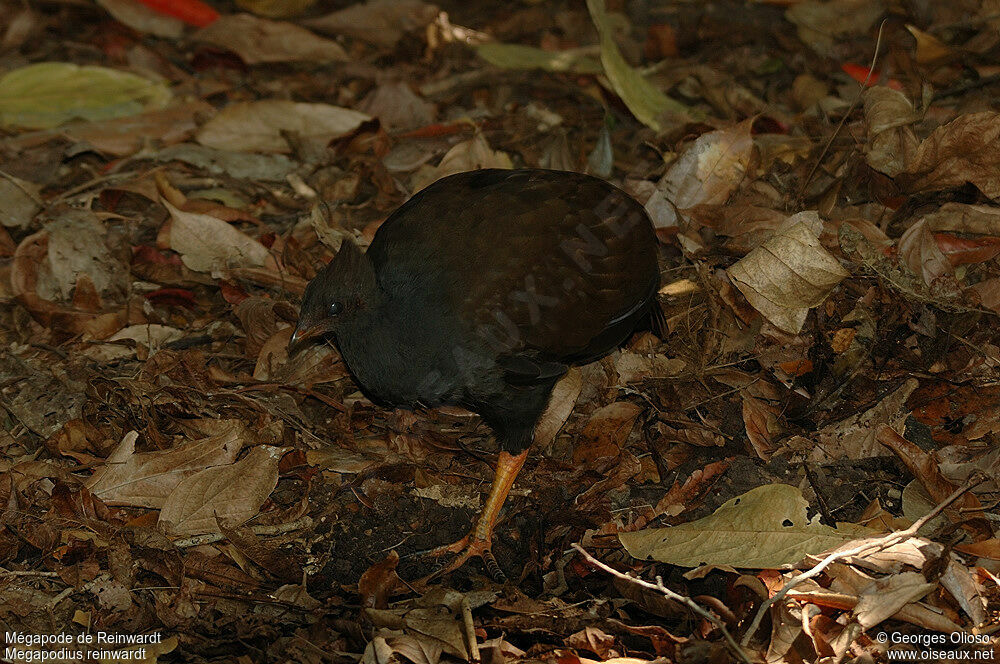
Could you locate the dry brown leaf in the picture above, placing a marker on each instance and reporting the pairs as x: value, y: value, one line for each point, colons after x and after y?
x: 77, y: 246
x: 606, y: 431
x: 885, y: 597
x: 258, y: 40
x: 921, y: 254
x: 707, y: 173
x: 20, y: 200
x: 260, y: 126
x: 635, y: 367
x: 143, y: 19
x: 963, y: 218
x: 787, y: 274
x: 891, y: 142
x: 856, y: 436
x: 967, y: 149
x: 228, y: 494
x: 564, y: 396
x: 929, y: 48
x: 469, y: 155
x: 821, y: 24
x: 761, y: 424
x: 145, y: 479
x: 397, y: 106
x: 380, y: 22
x: 208, y: 244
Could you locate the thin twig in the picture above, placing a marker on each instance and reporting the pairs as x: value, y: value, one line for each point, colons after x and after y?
x: 670, y: 594
x: 277, y: 529
x: 867, y: 547
x: 843, y: 119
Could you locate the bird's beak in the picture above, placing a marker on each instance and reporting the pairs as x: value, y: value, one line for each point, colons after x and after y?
x: 303, y: 334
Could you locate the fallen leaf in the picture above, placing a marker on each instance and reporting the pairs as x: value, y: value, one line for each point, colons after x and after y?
x: 228, y: 494
x: 276, y: 8
x: 145, y: 479
x: 143, y: 19
x: 885, y: 597
x: 919, y: 251
x: 821, y: 24
x: 967, y: 149
x: 208, y: 244
x: 19, y: 201
x: 48, y: 94
x: 564, y: 396
x: 891, y: 142
x: 380, y: 22
x: 707, y: 172
x: 787, y: 275
x: 606, y: 432
x: 766, y: 527
x: 641, y: 97
x: 469, y: 155
x: 929, y: 48
x: 521, y: 56
x: 257, y: 40
x: 259, y: 126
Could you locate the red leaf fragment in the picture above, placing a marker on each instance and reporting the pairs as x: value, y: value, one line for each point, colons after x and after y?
x: 192, y: 12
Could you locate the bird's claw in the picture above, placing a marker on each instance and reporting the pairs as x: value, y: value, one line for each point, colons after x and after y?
x: 464, y: 549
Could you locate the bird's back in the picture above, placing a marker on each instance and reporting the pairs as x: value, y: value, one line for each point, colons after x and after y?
x: 548, y: 265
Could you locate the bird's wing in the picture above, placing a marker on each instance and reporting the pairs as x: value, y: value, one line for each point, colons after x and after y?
x: 548, y: 267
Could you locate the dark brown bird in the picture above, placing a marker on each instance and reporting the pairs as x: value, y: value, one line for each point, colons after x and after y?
x: 481, y: 291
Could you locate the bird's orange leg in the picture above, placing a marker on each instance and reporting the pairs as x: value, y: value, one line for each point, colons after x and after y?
x: 480, y: 540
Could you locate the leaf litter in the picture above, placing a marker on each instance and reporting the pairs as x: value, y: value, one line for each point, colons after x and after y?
x: 831, y: 284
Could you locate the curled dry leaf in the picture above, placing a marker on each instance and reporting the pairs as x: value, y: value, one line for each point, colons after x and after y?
x: 787, y: 275
x: 884, y: 597
x: 919, y: 251
x: 258, y: 40
x: 707, y: 173
x: 468, y: 155
x: 891, y: 142
x: 761, y: 424
x: 228, y: 494
x: 145, y: 479
x: 967, y: 149
x: 259, y: 126
x: 561, y: 403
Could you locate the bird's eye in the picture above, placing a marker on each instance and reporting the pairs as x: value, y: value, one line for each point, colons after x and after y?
x: 336, y: 308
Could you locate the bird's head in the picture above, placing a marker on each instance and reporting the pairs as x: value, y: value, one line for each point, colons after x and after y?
x: 338, y: 297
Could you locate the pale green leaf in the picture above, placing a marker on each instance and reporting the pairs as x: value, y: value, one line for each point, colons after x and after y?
x: 766, y: 527
x: 520, y: 56
x: 646, y: 102
x: 45, y: 95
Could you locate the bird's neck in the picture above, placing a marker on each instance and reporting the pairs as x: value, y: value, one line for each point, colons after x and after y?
x: 381, y: 352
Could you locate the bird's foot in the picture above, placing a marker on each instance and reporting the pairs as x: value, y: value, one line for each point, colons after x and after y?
x: 468, y: 547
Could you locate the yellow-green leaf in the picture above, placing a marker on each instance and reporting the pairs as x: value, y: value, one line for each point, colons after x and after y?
x: 645, y: 101
x: 766, y: 527
x: 45, y: 95
x: 520, y: 56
